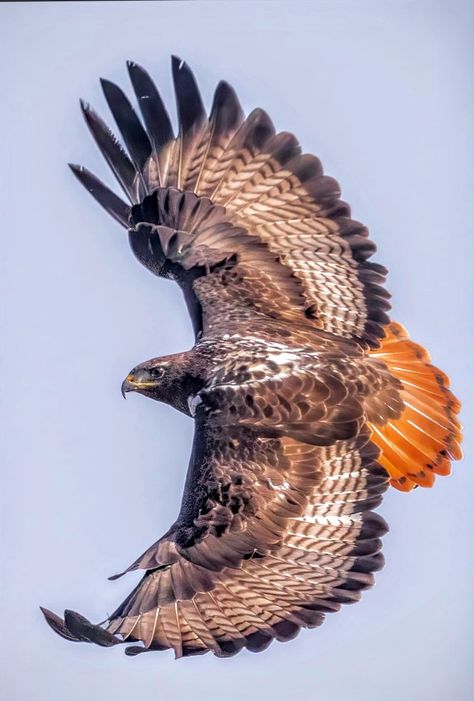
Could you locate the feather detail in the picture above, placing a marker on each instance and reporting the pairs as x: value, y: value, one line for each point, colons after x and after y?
x: 426, y: 437
x: 105, y: 197
x: 133, y: 133
x: 121, y: 165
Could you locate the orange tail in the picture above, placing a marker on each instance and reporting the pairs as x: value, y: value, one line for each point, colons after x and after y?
x: 426, y: 437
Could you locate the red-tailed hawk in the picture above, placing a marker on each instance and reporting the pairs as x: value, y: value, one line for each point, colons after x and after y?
x: 308, y: 401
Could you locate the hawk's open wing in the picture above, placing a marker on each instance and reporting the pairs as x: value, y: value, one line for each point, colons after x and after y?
x: 257, y: 201
x: 272, y: 534
x: 275, y: 527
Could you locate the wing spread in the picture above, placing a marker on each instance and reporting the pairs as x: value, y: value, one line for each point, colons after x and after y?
x: 272, y: 534
x: 230, y: 192
x: 275, y: 527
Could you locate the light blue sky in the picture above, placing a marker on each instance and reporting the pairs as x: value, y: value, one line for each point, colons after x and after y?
x: 383, y: 93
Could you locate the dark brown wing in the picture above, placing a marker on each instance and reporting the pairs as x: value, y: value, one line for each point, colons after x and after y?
x: 273, y: 532
x: 258, y: 198
x: 227, y: 274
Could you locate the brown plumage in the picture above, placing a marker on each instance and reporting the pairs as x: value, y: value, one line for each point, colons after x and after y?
x: 308, y: 401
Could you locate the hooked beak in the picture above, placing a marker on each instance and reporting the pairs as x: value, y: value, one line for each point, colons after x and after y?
x: 136, y: 381
x: 127, y: 386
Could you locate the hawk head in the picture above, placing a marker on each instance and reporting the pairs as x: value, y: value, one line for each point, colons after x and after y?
x: 170, y: 379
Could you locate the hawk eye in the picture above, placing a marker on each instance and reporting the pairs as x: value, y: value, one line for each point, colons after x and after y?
x: 156, y: 373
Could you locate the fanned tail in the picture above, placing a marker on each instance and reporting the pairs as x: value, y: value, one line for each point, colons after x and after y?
x: 422, y: 442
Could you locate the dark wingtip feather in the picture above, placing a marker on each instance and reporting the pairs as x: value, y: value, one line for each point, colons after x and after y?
x: 191, y: 110
x: 105, y: 197
x: 108, y: 85
x: 259, y: 128
x: 85, y: 630
x: 134, y: 650
x: 133, y: 133
x: 111, y: 149
x: 154, y: 113
x: 176, y: 61
x: 113, y: 577
x: 89, y: 113
x: 58, y: 625
x: 226, y: 111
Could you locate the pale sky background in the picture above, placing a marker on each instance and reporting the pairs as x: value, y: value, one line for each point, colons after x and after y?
x: 383, y: 93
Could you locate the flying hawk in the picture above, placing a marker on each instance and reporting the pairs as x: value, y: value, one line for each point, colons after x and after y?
x: 308, y: 401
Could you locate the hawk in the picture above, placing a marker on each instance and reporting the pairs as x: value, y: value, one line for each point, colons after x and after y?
x: 307, y: 400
